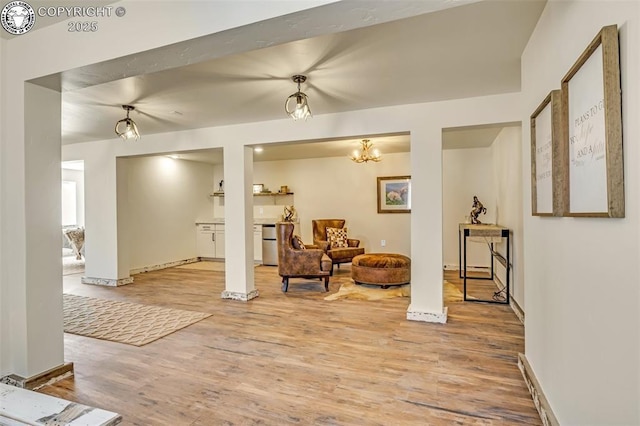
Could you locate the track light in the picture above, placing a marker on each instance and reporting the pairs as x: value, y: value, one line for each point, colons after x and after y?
x: 127, y: 128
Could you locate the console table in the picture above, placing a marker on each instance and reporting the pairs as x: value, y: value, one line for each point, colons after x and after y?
x: 490, y: 233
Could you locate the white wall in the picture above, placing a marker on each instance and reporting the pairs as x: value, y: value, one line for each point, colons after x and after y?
x: 165, y: 198
x: 76, y: 176
x: 582, y: 327
x: 337, y: 187
x: 334, y: 187
x: 465, y: 173
x: 506, y: 152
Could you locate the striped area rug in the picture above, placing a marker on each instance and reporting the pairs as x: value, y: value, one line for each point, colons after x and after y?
x: 124, y: 322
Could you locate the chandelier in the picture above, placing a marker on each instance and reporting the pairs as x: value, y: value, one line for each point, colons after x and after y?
x: 126, y: 128
x: 365, y: 153
x: 301, y: 107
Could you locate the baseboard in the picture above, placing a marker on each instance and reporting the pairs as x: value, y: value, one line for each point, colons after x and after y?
x: 108, y: 282
x: 540, y: 401
x: 517, y: 309
x: 235, y: 295
x: 39, y: 380
x: 163, y: 265
x: 424, y: 316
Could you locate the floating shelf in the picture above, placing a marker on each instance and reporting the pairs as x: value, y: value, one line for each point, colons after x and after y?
x: 258, y: 194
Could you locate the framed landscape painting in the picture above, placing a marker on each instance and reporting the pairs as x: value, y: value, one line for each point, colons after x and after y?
x: 394, y: 194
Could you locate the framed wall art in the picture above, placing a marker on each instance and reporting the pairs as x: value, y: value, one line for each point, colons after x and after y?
x: 547, y: 166
x: 592, y: 121
x: 394, y: 194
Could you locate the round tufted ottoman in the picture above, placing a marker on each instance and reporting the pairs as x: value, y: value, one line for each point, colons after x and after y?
x: 382, y: 269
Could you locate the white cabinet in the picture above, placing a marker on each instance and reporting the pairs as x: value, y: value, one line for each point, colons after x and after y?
x: 257, y: 243
x: 210, y: 241
x: 219, y: 241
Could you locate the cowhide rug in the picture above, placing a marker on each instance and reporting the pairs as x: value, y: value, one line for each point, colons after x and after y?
x: 350, y: 290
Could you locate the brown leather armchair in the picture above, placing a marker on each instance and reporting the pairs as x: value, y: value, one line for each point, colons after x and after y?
x: 338, y: 255
x: 310, y: 262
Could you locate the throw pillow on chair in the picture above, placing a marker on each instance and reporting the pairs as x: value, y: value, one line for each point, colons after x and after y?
x: 337, y: 237
x: 297, y: 243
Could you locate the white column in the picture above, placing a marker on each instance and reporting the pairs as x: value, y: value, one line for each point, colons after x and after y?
x: 426, y: 226
x: 122, y: 221
x: 4, y: 336
x: 106, y: 260
x: 32, y: 256
x: 238, y: 211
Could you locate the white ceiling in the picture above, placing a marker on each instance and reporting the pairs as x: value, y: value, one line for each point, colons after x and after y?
x: 464, y: 51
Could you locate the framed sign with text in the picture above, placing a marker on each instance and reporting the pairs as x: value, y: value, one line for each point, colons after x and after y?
x: 592, y: 122
x: 547, y: 168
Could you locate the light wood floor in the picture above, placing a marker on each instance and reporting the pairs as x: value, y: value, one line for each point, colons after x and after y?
x: 295, y: 358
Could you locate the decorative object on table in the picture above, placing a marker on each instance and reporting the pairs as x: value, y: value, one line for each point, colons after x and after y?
x: 365, y: 153
x: 221, y: 186
x: 592, y: 120
x: 547, y: 163
x: 289, y: 213
x: 127, y: 128
x: 476, y: 210
x: 258, y: 188
x: 394, y: 194
x: 301, y: 108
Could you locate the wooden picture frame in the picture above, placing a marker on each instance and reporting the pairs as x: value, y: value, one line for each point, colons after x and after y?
x: 547, y: 171
x: 592, y: 123
x: 258, y: 188
x: 394, y: 194
x: 547, y: 166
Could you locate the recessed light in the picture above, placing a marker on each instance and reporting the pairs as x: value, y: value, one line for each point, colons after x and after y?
x: 258, y: 149
x: 174, y: 156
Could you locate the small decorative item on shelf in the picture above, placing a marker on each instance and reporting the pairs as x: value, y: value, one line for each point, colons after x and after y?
x: 284, y: 189
x: 289, y: 213
x: 221, y: 186
x: 476, y: 210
